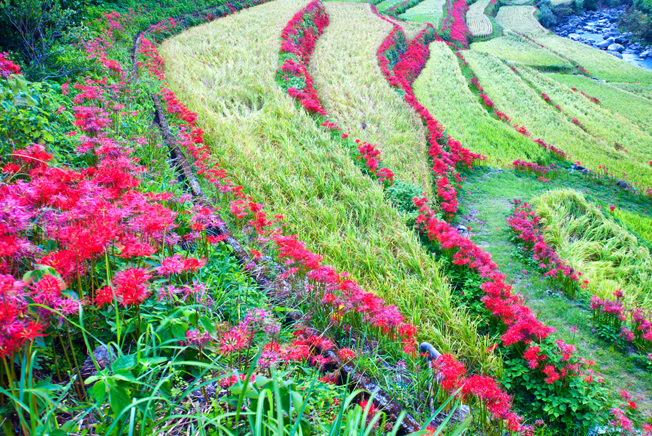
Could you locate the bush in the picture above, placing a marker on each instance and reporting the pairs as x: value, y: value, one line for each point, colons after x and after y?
x: 547, y: 18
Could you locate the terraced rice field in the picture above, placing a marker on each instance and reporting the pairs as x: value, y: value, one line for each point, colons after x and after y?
x: 600, y: 64
x: 386, y: 4
x: 477, y: 22
x: 602, y: 123
x: 526, y: 107
x: 515, y: 48
x: 442, y: 88
x: 520, y: 19
x: 345, y: 69
x: 641, y: 90
x: 282, y: 156
x: 636, y: 108
x: 427, y: 11
x: 608, y: 255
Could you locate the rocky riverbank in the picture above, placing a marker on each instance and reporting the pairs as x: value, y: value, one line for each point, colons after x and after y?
x: 599, y: 29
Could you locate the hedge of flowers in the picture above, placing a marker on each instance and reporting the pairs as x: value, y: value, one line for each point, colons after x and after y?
x: 454, y: 26
x: 614, y: 321
x: 593, y: 99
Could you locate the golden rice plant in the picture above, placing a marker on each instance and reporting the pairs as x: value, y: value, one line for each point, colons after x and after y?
x: 477, y: 22
x: 609, y: 256
x: 345, y: 70
x: 225, y: 71
x: 520, y: 19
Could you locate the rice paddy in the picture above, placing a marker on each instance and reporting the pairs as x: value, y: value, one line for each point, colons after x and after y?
x: 427, y: 11
x: 520, y: 19
x: 527, y: 108
x: 345, y: 69
x: 515, y: 48
x: 442, y: 88
x: 282, y: 157
x: 477, y: 22
x: 635, y: 107
x: 609, y: 257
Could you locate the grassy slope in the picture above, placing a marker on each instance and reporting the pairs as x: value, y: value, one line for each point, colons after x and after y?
x: 599, y: 122
x: 442, y: 88
x: 631, y: 106
x: 515, y: 48
x: 526, y: 107
x: 637, y: 223
x: 225, y: 71
x: 635, y: 88
x: 428, y: 11
x: 354, y: 91
x: 520, y: 19
x: 478, y: 23
x: 484, y: 209
x: 600, y: 64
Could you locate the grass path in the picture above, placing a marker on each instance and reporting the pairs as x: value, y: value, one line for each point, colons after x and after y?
x: 354, y: 91
x: 515, y: 97
x: 477, y: 22
x: 225, y: 72
x: 443, y: 89
x: 484, y: 208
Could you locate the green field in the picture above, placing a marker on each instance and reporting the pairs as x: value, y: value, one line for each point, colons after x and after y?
x: 526, y: 107
x: 427, y: 11
x: 600, y: 64
x: 442, y: 88
x: 628, y: 104
x: 602, y: 123
x: 512, y: 47
x: 286, y: 161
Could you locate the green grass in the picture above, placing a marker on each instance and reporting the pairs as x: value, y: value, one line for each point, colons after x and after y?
x: 512, y: 47
x: 355, y: 93
x: 639, y: 89
x: 486, y: 200
x: 639, y: 224
x: 386, y: 4
x: 225, y: 72
x: 520, y: 19
x: 526, y: 107
x: 443, y: 89
x: 608, y: 255
x: 600, y: 64
x: 635, y: 108
x: 428, y: 11
x: 604, y: 124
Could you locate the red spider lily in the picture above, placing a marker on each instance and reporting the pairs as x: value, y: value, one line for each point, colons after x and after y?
x: 7, y: 67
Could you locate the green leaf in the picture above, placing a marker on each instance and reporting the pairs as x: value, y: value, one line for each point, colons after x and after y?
x: 99, y: 391
x: 119, y: 399
x: 124, y: 363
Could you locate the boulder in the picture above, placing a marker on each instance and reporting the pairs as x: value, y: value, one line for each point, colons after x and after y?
x: 603, y: 45
x: 646, y: 54
x: 616, y: 47
x: 615, y: 53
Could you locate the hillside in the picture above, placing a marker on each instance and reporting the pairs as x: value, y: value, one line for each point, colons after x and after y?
x: 313, y: 217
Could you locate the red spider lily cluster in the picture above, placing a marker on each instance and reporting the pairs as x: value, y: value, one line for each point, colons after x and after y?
x: 481, y: 392
x: 331, y: 289
x: 622, y: 417
x: 153, y: 61
x: 454, y: 24
x: 371, y: 156
x: 7, y: 67
x: 444, y: 151
x: 98, y: 47
x: 593, y: 99
x: 298, y: 42
x: 528, y: 230
x: 531, y: 167
x: 634, y: 324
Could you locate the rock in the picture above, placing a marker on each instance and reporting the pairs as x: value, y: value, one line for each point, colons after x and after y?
x: 646, y: 54
x: 622, y: 184
x: 616, y: 47
x: 103, y: 356
x: 461, y: 229
x: 615, y: 53
x: 603, y: 45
